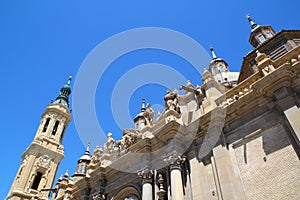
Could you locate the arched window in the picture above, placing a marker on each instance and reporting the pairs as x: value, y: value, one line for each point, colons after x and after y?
x: 261, y: 38
x: 62, y: 134
x: 216, y: 70
x: 46, y: 124
x: 82, y: 169
x: 128, y: 193
x: 131, y: 197
x: 142, y: 123
x: 55, y: 127
x: 222, y: 69
x: 269, y: 34
x: 36, y: 181
x: 21, y: 170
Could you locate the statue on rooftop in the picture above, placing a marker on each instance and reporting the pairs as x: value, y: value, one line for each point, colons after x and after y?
x: 125, y: 142
x: 96, y: 157
x: 109, y: 144
x: 149, y: 114
x: 171, y: 101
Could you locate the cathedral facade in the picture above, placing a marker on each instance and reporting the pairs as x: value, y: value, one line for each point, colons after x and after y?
x: 237, y: 136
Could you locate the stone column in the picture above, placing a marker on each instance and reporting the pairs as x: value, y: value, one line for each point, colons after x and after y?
x: 175, y: 162
x: 147, y: 193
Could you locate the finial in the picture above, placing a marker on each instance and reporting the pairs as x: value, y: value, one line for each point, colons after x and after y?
x: 214, y: 56
x: 66, y: 174
x: 87, y: 151
x: 70, y: 78
x: 190, y: 85
x: 160, y: 181
x: 161, y: 193
x: 60, y: 178
x: 253, y: 25
x: 143, y: 109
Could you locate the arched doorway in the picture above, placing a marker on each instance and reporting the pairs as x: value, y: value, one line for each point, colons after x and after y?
x: 128, y: 193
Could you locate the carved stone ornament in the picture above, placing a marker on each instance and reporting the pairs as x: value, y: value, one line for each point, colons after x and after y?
x: 44, y: 162
x: 98, y: 196
x: 171, y: 101
x: 25, y: 160
x: 146, y: 176
x: 161, y: 193
x: 175, y: 161
x: 130, y: 137
x: 97, y: 155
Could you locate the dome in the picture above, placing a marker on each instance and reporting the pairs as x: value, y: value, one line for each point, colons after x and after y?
x: 65, y: 91
x: 66, y: 87
x: 85, y: 157
x: 139, y: 115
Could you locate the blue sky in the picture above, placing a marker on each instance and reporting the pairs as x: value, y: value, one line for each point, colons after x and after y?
x: 43, y: 42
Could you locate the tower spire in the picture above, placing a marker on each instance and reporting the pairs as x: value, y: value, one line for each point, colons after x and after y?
x: 87, y: 151
x: 214, y: 56
x: 65, y: 91
x: 143, y: 109
x: 253, y: 24
x: 69, y: 81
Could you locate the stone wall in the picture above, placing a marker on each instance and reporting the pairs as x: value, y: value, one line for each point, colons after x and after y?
x: 202, y: 180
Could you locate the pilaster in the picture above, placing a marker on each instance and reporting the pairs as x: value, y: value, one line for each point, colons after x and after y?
x: 290, y: 108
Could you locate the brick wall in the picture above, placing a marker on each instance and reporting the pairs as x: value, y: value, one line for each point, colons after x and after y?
x: 269, y: 166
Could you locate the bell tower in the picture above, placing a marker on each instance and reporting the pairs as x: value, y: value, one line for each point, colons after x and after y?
x: 41, y: 159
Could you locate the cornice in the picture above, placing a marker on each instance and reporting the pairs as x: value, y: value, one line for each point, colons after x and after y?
x: 36, y: 149
x: 58, y: 109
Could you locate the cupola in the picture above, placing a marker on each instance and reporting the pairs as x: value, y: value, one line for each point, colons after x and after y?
x: 259, y: 34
